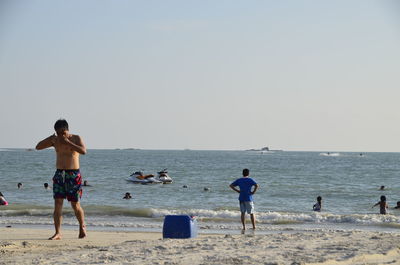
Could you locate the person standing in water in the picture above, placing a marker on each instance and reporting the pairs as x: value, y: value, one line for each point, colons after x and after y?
x: 383, y: 206
x: 67, y: 179
x: 246, y: 196
x: 318, y: 206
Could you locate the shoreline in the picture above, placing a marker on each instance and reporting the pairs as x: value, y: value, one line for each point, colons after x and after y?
x: 27, y: 246
x: 233, y: 228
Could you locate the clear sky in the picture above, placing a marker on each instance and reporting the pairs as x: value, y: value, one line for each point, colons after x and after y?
x: 292, y: 75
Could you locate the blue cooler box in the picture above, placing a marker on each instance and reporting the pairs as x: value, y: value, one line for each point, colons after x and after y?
x: 179, y: 226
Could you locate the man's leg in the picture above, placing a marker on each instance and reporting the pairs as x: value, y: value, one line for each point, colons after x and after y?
x: 80, y: 215
x: 253, y: 220
x: 57, y: 215
x: 242, y: 218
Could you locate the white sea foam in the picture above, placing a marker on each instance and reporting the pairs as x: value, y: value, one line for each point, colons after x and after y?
x: 283, y: 217
x: 108, y: 215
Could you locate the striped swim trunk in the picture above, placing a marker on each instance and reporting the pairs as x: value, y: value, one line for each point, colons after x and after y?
x: 67, y: 184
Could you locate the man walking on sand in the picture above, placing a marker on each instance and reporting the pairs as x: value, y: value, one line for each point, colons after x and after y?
x: 67, y: 179
x: 246, y: 196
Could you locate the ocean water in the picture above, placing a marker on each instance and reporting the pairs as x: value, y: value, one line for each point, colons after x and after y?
x: 289, y: 184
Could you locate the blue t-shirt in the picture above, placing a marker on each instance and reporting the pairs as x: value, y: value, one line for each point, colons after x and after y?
x: 245, y: 185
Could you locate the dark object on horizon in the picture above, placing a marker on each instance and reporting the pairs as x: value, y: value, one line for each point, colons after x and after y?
x: 184, y: 186
x: 382, y: 188
x: 206, y: 189
x: 264, y: 149
x: 19, y: 185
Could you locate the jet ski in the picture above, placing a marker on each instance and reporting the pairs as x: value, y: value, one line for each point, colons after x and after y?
x: 164, y: 177
x: 139, y: 178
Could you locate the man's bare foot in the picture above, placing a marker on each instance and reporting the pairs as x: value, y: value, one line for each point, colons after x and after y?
x: 82, y: 231
x: 55, y: 237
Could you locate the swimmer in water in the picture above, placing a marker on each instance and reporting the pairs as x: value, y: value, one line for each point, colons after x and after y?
x: 127, y: 196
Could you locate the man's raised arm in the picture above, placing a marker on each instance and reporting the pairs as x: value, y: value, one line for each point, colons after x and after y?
x: 46, y: 143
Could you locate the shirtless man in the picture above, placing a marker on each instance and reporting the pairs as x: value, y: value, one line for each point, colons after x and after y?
x: 67, y: 180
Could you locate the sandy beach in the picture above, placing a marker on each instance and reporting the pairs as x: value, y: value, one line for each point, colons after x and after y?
x: 30, y: 246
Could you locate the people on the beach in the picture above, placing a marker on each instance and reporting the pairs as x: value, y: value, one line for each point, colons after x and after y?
x: 46, y: 185
x: 19, y: 185
x: 383, y: 206
x: 397, y: 205
x: 246, y: 193
x: 127, y: 196
x: 67, y: 179
x: 318, y: 206
x: 3, y: 200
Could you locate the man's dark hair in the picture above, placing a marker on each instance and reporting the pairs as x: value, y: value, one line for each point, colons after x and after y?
x: 246, y: 172
x: 61, y: 124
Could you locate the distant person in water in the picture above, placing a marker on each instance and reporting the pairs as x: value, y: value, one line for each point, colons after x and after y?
x: 46, y: 185
x: 246, y: 193
x: 19, y: 185
x: 127, y: 196
x: 67, y: 180
x: 3, y: 200
x: 318, y: 206
x: 397, y: 205
x: 383, y: 206
x: 85, y: 183
x: 382, y: 188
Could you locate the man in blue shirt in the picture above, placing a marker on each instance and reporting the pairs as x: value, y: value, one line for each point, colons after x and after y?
x: 246, y: 196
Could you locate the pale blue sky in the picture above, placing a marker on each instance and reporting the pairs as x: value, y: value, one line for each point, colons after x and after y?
x: 292, y: 75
